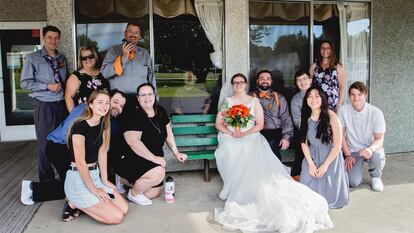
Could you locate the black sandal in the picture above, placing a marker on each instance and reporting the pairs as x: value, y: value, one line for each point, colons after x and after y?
x: 68, y: 213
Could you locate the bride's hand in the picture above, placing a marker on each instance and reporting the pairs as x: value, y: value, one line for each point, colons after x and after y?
x: 237, y: 134
x: 312, y: 170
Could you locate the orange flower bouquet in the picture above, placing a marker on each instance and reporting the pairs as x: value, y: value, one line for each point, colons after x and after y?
x: 238, y: 116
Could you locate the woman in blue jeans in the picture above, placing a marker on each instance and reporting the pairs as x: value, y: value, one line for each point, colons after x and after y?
x: 86, y: 186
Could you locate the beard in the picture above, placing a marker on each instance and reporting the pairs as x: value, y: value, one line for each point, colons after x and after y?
x: 264, y: 88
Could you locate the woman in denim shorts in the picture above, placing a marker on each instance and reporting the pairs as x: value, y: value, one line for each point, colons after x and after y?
x: 86, y: 186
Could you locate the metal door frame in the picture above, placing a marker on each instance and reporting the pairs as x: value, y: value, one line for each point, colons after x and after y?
x: 15, y: 132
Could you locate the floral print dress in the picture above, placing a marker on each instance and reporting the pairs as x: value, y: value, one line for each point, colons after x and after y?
x: 88, y: 84
x: 327, y: 79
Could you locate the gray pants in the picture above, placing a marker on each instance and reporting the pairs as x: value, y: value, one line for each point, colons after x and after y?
x: 47, y: 116
x: 375, y: 165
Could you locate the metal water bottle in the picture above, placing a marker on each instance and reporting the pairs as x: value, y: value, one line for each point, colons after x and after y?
x: 169, y: 189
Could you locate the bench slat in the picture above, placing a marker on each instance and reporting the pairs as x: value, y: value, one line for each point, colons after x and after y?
x: 195, y: 155
x: 285, y: 153
x: 193, y: 118
x: 188, y: 130
x: 211, y: 141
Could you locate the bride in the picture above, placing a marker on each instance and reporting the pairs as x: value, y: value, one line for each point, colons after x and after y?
x: 260, y: 195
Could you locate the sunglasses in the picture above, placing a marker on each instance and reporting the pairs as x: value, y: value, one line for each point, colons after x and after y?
x: 90, y: 56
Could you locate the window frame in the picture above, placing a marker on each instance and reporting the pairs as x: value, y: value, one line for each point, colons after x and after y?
x: 311, y: 25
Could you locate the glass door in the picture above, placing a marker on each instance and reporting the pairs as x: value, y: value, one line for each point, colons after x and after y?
x: 16, y: 115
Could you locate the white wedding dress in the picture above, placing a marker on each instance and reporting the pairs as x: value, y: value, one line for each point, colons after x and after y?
x: 260, y: 195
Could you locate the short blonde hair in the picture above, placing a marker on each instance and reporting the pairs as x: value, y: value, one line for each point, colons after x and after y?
x: 83, y: 49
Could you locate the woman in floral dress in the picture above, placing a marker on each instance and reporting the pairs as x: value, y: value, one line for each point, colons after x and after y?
x: 86, y: 79
x: 329, y: 75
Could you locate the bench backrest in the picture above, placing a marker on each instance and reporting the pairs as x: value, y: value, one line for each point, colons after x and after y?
x: 194, y: 130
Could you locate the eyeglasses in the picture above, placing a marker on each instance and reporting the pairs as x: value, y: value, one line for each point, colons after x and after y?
x: 239, y: 82
x: 131, y: 32
x: 146, y: 94
x: 90, y: 56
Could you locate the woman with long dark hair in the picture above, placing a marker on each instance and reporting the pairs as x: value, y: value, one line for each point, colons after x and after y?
x: 321, y: 136
x: 329, y: 74
x: 86, y: 184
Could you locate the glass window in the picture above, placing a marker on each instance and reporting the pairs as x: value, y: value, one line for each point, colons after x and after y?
x: 279, y: 38
x: 279, y: 41
x: 102, y: 25
x: 186, y: 77
x: 347, y: 26
x: 187, y: 80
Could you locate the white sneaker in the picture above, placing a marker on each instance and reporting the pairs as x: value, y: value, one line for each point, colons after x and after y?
x: 119, y: 185
x: 377, y: 184
x: 139, y: 199
x: 26, y: 195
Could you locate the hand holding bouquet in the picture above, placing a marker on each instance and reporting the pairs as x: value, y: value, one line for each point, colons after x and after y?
x: 238, y: 116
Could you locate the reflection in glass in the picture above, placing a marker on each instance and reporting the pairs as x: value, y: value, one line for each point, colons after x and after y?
x: 279, y: 40
x: 186, y: 78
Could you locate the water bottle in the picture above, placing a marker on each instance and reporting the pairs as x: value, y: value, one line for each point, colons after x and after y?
x: 169, y: 189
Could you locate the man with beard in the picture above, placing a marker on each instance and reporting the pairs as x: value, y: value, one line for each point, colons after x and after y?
x: 278, y: 126
x: 127, y: 65
x: 57, y: 153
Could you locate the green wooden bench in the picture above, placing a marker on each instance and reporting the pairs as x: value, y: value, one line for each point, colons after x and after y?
x: 196, y: 136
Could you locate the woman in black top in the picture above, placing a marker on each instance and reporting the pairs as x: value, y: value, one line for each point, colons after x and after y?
x: 146, y: 127
x: 86, y: 186
x: 86, y: 79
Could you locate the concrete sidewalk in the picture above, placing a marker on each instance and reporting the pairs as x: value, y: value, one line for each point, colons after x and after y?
x: 369, y: 212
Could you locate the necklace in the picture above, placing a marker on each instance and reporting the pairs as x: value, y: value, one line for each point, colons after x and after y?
x: 156, y: 125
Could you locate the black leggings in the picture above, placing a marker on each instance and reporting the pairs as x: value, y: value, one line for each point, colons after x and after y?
x: 58, y: 156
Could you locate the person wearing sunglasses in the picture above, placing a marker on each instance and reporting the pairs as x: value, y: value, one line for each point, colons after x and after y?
x: 86, y: 79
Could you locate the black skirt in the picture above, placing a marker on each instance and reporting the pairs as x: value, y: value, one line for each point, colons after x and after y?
x: 131, y: 166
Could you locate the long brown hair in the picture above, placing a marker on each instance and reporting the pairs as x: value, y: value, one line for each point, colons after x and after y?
x: 88, y: 113
x: 333, y: 60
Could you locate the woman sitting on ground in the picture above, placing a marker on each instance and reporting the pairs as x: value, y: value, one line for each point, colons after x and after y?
x: 86, y: 186
x: 146, y: 127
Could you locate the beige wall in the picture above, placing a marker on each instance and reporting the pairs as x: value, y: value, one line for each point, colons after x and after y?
x: 60, y: 14
x: 392, y: 81
x: 22, y: 10
x: 236, y: 37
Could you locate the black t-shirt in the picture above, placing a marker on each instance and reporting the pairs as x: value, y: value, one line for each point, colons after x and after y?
x: 93, y: 140
x: 154, y: 131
